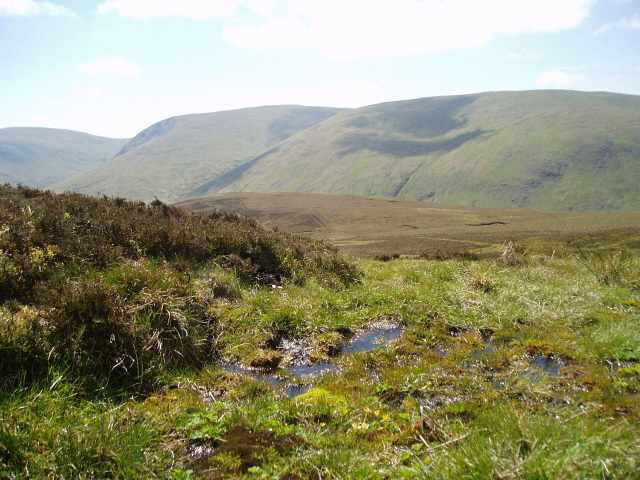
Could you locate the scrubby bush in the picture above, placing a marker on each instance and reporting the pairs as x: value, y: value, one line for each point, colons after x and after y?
x: 115, y: 290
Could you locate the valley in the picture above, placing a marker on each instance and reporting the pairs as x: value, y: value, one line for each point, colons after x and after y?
x: 371, y: 226
x: 556, y: 150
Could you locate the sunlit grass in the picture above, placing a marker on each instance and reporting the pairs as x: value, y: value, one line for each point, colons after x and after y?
x: 518, y: 368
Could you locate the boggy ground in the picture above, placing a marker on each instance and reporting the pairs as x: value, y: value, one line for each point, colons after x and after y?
x: 520, y: 367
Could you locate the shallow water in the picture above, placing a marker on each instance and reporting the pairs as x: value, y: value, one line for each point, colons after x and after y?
x: 371, y: 339
x: 296, y: 375
x: 546, y: 364
x: 295, y: 390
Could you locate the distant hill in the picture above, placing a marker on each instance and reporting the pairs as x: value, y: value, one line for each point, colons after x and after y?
x: 173, y: 157
x: 40, y: 157
x: 370, y: 226
x: 552, y: 150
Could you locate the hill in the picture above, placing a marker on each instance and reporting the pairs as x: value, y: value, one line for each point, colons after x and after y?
x: 176, y: 155
x: 40, y: 157
x: 372, y: 226
x: 552, y: 150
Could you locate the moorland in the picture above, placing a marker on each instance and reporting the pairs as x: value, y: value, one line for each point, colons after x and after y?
x: 143, y: 341
x: 549, y: 149
x: 338, y: 293
x: 373, y: 226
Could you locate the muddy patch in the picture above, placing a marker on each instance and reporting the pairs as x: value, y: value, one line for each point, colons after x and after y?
x: 237, y: 451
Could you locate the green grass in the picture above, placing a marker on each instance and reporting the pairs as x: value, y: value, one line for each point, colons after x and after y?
x: 521, y: 366
x: 463, y: 414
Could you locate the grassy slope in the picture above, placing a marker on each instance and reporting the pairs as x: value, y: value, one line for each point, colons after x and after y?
x: 523, y: 367
x: 40, y: 157
x: 558, y: 150
x: 178, y: 154
x: 369, y: 226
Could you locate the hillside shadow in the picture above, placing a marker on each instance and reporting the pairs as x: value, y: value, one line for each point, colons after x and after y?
x: 227, y: 178
x: 158, y: 129
x: 425, y: 117
x: 404, y: 148
x: 297, y: 120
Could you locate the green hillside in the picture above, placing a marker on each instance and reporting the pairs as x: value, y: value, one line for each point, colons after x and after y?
x: 40, y: 157
x: 176, y: 155
x: 552, y: 150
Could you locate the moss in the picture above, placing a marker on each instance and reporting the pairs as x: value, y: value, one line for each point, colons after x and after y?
x: 320, y: 396
x: 628, y: 372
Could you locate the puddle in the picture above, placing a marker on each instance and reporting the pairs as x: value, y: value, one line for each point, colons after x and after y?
x: 276, y: 378
x: 297, y: 367
x: 247, y: 445
x: 484, y: 352
x: 296, y: 390
x: 546, y: 364
x: 371, y: 339
x: 310, y: 370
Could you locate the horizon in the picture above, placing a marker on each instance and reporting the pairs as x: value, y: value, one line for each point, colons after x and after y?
x: 113, y: 68
x: 312, y: 106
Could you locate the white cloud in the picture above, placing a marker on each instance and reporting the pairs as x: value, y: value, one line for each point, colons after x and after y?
x: 633, y: 22
x: 88, y: 92
x: 348, y: 29
x: 115, y: 66
x: 557, y: 78
x: 40, y: 118
x: 523, y: 56
x: 266, y: 8
x: 196, y: 9
x: 31, y: 7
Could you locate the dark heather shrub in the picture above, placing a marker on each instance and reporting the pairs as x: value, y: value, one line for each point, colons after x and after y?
x: 104, y: 287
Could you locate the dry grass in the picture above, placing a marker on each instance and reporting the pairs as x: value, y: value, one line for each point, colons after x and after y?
x: 376, y: 226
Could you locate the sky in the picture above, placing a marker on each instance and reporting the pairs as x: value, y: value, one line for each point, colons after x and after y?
x: 114, y: 67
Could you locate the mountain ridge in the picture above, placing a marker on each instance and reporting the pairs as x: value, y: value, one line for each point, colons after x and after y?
x: 543, y: 149
x: 40, y: 157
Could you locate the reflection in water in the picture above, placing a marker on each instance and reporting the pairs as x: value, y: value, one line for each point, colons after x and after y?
x: 361, y: 342
x: 371, y: 339
x: 295, y: 390
x: 310, y: 370
x: 548, y: 364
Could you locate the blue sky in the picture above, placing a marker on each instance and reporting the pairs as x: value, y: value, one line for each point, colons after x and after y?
x: 114, y: 67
